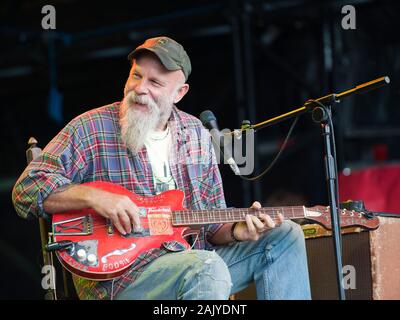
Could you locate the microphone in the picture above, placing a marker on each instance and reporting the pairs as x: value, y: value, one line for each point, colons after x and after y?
x: 210, y: 122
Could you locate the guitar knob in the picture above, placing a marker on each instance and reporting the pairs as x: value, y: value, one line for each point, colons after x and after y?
x: 81, y: 254
x: 92, y: 259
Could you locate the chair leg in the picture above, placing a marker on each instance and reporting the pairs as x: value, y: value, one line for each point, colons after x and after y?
x: 65, y: 280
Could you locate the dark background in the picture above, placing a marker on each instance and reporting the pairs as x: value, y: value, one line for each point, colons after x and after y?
x: 251, y: 60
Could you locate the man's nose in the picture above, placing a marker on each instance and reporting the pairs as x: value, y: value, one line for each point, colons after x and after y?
x: 140, y: 87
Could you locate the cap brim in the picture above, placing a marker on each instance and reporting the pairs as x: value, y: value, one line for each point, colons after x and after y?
x: 167, y: 62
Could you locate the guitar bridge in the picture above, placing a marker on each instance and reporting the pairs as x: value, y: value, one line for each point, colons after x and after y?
x: 82, y: 225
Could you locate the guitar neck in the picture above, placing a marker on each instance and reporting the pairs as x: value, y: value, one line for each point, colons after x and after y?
x: 202, y: 217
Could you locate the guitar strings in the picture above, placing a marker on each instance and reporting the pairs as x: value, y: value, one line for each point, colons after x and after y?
x: 185, y: 215
x: 182, y: 216
x: 102, y: 225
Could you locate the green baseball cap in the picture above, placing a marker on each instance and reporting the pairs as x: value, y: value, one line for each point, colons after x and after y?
x: 171, y: 54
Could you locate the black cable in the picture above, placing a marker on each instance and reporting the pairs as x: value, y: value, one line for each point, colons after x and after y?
x: 276, y: 157
x: 385, y: 214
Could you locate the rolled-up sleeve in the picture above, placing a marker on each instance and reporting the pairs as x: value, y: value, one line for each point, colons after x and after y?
x: 61, y: 162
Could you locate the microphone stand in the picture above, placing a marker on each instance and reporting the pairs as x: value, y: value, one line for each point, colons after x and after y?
x: 321, y: 113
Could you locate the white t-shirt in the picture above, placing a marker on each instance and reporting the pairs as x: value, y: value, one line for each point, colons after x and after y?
x: 158, y: 145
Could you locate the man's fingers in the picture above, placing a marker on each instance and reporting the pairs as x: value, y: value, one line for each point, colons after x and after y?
x: 256, y: 205
x: 125, y: 221
x: 129, y: 215
x: 133, y: 214
x: 250, y: 224
x: 258, y: 224
x: 268, y: 222
x: 261, y: 222
x: 280, y: 219
x: 118, y: 225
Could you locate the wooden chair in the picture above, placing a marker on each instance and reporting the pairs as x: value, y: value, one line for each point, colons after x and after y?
x: 52, y: 293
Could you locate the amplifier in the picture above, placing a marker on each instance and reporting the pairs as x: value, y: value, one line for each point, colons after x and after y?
x: 372, y: 256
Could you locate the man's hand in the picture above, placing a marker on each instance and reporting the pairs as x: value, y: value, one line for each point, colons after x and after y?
x: 118, y: 208
x: 254, y: 227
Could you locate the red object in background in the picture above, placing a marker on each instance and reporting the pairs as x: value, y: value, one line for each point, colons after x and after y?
x: 378, y: 187
x: 380, y: 152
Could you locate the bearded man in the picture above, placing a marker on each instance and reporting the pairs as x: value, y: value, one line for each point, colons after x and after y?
x: 147, y: 145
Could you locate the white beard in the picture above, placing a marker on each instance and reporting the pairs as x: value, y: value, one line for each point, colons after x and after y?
x: 137, y: 124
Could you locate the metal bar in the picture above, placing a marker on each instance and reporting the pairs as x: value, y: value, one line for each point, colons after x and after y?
x: 239, y: 81
x: 250, y: 84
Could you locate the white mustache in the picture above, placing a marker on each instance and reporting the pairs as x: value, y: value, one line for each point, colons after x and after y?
x: 134, y: 98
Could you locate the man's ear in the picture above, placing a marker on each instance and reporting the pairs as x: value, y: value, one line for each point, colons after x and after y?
x: 181, y: 93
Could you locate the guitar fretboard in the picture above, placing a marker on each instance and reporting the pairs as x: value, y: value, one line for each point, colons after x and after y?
x: 193, y: 217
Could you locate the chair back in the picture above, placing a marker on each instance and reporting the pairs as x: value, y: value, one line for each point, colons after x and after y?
x: 32, y: 153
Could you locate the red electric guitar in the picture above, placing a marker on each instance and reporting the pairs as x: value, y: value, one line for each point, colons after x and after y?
x: 99, y: 252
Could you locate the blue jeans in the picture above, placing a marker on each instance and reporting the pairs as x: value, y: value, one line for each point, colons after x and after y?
x: 277, y: 262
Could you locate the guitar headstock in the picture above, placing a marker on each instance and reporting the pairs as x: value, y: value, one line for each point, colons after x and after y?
x: 348, y: 218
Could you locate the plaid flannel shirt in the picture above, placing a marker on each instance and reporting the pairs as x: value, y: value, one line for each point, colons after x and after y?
x: 90, y: 148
